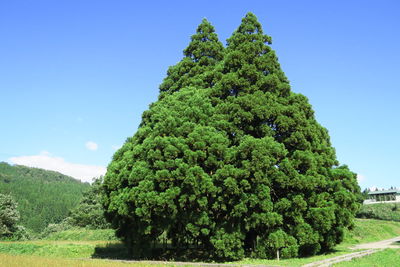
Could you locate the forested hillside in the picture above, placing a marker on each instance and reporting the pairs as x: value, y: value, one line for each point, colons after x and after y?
x: 43, y: 196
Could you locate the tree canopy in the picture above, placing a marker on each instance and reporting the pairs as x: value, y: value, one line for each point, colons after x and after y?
x: 197, y: 68
x: 229, y: 160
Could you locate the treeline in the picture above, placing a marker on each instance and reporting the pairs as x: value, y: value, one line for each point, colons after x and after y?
x: 89, y: 213
x: 43, y: 197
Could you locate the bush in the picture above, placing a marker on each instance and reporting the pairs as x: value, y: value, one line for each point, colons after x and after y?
x: 21, y: 234
x: 55, y: 227
x: 83, y: 234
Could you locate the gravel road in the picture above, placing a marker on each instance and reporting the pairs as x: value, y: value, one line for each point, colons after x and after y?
x: 367, y: 249
x: 389, y: 243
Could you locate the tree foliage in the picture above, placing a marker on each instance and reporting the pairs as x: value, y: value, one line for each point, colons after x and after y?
x: 89, y: 212
x: 230, y: 161
x: 197, y: 68
x: 9, y: 216
x: 9, y: 220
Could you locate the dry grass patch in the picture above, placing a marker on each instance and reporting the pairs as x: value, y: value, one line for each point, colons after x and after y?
x: 37, y: 261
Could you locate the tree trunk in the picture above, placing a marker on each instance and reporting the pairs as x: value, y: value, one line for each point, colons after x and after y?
x: 277, y: 254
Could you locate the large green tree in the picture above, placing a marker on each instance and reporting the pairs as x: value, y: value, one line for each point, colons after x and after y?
x: 170, y: 150
x: 230, y: 160
x: 197, y: 68
x: 310, y: 197
x: 161, y: 180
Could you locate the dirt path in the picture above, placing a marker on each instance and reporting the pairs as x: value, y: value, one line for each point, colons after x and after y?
x: 346, y: 257
x: 389, y: 243
x: 369, y: 248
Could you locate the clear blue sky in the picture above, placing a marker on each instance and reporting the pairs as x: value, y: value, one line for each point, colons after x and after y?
x: 73, y: 72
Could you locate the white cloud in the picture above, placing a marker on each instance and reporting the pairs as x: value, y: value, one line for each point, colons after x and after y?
x: 91, y: 145
x: 46, y: 161
x: 360, y: 177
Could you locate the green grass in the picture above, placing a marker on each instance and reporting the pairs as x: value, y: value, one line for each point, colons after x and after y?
x: 295, y: 261
x: 385, y: 258
x: 384, y: 211
x: 368, y: 230
x: 73, y: 243
x: 84, y: 243
x: 365, y: 230
x: 49, y: 249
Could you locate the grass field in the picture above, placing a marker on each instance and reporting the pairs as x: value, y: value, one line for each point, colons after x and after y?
x: 69, y: 248
x: 367, y: 230
x: 385, y: 258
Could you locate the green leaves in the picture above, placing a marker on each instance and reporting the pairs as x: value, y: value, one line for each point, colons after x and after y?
x: 283, y: 243
x: 9, y: 216
x: 197, y: 67
x: 89, y: 212
x: 229, y: 160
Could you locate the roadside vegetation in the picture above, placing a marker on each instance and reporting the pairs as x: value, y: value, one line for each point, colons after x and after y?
x: 83, y: 234
x: 365, y: 231
x: 369, y: 230
x: 383, y: 211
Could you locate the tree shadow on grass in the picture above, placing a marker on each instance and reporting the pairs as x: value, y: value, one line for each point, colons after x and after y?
x: 118, y: 251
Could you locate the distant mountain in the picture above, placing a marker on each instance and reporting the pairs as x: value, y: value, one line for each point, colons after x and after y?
x: 43, y: 196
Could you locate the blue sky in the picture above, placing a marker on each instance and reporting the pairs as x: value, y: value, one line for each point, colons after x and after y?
x: 75, y: 76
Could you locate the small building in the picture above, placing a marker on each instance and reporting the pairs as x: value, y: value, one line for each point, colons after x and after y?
x: 383, y: 196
